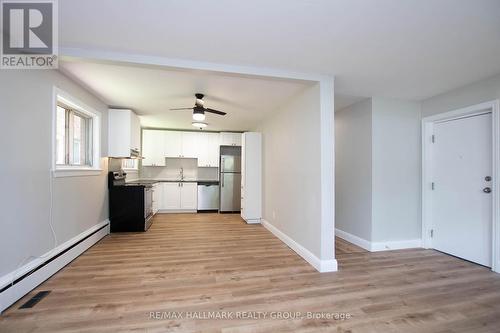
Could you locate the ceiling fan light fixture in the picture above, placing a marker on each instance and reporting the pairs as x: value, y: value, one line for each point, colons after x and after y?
x: 199, y: 124
x: 198, y: 116
x: 198, y: 113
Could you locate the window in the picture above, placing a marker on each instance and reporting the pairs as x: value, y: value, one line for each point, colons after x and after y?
x: 73, y: 138
x: 76, y: 138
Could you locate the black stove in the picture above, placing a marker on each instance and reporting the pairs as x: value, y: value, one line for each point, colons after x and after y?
x: 130, y: 204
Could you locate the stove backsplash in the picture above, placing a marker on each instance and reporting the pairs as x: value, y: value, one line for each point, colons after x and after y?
x: 170, y: 171
x: 115, y: 164
x: 173, y: 167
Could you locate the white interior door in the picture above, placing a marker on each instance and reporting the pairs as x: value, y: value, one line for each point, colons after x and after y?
x: 461, y: 203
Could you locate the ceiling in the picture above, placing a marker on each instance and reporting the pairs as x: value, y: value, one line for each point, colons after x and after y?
x: 409, y: 49
x: 152, y: 91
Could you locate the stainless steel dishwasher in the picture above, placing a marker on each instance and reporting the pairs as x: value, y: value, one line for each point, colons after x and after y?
x: 208, y: 196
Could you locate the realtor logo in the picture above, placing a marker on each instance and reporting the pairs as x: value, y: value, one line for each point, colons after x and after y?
x: 29, y: 34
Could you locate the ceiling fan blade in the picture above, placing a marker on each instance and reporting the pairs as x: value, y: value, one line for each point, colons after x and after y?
x: 215, y: 111
x: 181, y: 109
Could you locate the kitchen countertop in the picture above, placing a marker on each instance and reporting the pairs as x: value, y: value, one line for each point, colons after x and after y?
x: 154, y: 181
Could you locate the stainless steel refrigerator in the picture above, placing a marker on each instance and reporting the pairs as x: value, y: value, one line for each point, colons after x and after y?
x: 230, y: 183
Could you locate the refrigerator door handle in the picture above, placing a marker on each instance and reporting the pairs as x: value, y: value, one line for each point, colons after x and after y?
x: 222, y: 178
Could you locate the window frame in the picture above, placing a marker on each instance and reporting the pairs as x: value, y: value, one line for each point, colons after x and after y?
x: 82, y: 110
x: 69, y: 114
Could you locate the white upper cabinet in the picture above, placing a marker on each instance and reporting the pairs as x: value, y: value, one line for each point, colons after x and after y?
x: 173, y: 143
x: 230, y: 139
x: 190, y: 144
x: 124, y: 133
x: 208, y: 146
x: 153, y: 148
x: 159, y: 144
x: 213, y: 149
x: 181, y: 144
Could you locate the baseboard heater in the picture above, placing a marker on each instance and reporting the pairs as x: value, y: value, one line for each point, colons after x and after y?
x: 59, y: 260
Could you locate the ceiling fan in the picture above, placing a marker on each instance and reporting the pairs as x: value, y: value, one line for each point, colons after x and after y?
x: 199, y: 111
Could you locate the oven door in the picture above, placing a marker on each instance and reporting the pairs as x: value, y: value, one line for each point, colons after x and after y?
x: 148, y: 206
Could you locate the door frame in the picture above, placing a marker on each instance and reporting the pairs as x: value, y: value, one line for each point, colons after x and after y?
x: 427, y: 132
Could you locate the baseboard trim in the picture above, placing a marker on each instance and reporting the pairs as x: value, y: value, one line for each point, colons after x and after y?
x: 176, y: 211
x: 378, y: 246
x: 396, y: 245
x: 37, y: 271
x: 362, y: 243
x: 321, y: 266
x: 252, y: 221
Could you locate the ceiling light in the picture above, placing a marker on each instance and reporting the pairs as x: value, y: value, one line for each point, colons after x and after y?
x: 198, y: 116
x: 199, y: 124
x: 198, y: 113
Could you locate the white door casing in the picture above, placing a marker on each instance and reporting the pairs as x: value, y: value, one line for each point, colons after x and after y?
x: 429, y: 125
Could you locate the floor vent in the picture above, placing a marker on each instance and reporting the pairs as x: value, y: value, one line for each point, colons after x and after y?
x: 35, y: 299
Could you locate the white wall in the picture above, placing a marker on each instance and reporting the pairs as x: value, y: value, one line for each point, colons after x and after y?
x: 291, y: 169
x: 475, y: 93
x: 377, y: 175
x: 395, y: 170
x: 353, y: 165
x: 26, y: 99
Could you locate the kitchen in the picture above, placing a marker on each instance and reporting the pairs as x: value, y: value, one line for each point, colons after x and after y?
x: 156, y: 170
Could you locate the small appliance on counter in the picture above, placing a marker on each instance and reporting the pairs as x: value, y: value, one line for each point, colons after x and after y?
x: 130, y: 204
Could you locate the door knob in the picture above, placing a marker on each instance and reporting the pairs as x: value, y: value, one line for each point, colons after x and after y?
x: 486, y: 190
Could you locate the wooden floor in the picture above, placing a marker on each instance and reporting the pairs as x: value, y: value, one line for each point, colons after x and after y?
x: 344, y: 247
x: 194, y: 263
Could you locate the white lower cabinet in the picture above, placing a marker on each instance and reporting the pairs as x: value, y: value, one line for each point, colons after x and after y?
x: 189, y: 196
x: 179, y: 196
x: 171, y: 196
